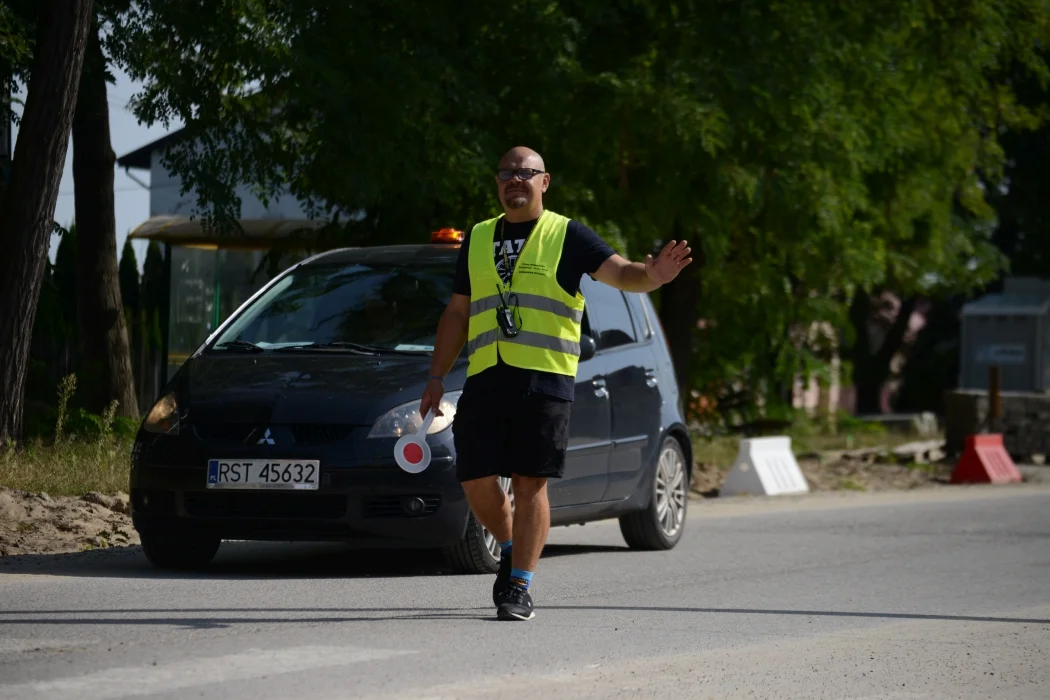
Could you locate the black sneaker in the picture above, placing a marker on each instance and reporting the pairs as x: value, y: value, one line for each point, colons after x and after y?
x: 502, y: 583
x: 516, y: 605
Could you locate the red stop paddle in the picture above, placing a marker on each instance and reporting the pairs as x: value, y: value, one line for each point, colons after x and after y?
x: 412, y: 453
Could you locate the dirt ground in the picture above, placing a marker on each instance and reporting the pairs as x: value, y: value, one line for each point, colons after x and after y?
x: 842, y: 474
x: 36, y: 523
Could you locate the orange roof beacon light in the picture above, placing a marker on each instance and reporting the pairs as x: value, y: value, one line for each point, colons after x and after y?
x: 447, y: 235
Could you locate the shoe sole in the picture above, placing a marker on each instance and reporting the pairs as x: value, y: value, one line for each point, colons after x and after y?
x: 512, y: 617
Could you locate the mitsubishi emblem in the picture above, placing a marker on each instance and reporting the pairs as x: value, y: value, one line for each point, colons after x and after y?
x: 266, y: 439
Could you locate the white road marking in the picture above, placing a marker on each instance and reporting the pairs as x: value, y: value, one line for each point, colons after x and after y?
x: 134, y: 681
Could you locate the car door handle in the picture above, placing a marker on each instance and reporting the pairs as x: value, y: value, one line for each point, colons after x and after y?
x: 650, y: 378
x: 599, y: 387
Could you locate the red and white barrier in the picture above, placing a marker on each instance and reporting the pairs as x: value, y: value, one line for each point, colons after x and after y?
x: 985, y: 461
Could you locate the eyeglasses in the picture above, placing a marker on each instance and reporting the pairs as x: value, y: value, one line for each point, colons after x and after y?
x: 505, y: 174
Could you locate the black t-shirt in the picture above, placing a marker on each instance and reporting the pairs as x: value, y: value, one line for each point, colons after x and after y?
x: 582, y: 254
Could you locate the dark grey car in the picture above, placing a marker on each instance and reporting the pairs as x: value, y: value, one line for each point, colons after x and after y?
x: 282, y: 425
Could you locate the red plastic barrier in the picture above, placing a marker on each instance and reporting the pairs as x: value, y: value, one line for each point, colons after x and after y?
x: 985, y: 461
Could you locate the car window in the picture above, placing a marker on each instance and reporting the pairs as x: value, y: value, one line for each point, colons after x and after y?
x: 386, y: 305
x: 609, y: 316
x: 641, y: 324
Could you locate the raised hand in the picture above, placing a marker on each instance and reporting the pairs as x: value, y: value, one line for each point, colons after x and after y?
x: 671, y: 260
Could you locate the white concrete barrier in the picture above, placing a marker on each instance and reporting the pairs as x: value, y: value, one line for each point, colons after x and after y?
x: 764, y: 467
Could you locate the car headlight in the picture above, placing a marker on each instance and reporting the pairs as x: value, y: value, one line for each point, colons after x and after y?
x: 163, y: 417
x: 405, y: 419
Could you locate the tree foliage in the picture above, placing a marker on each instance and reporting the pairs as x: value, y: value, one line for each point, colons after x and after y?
x: 812, y: 150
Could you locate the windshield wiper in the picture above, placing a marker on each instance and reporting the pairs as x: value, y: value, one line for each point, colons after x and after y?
x: 239, y: 345
x: 354, y: 347
x: 351, y: 347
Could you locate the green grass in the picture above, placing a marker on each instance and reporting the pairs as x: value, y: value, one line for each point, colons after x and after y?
x: 70, y: 468
x: 85, y: 452
x: 807, y: 436
x: 852, y: 485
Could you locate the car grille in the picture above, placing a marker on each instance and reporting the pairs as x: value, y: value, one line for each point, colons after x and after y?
x: 304, y: 434
x: 319, y: 433
x: 264, y: 505
x: 224, y: 432
x: 400, y: 506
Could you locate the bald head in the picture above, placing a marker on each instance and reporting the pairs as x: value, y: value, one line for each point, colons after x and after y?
x: 521, y: 180
x: 522, y: 157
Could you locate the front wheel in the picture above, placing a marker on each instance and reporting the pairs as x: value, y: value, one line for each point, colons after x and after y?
x: 179, y: 550
x: 660, y: 525
x: 478, y: 551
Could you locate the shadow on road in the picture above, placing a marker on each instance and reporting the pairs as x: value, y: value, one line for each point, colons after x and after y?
x: 261, y: 560
x: 215, y: 618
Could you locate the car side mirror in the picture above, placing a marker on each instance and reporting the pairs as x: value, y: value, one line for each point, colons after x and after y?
x: 587, y: 347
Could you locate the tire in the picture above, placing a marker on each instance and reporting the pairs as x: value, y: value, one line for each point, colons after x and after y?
x: 654, y: 528
x: 180, y: 551
x: 478, y: 551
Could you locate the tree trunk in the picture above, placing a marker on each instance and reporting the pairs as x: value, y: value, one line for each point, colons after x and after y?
x: 28, y: 209
x: 106, y: 358
x: 679, y: 301
x: 871, y: 367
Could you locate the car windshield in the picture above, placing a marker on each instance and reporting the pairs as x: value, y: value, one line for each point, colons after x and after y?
x: 382, y: 306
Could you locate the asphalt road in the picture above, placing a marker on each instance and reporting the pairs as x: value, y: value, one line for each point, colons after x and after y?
x: 938, y: 594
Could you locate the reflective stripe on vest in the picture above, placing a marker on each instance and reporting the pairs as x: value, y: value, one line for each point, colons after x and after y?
x: 534, y: 340
x: 549, y: 319
x: 527, y: 301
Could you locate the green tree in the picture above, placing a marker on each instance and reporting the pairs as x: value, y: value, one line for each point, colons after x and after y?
x: 154, y: 294
x: 1022, y: 234
x: 129, y: 278
x: 28, y: 205
x: 814, y: 152
x: 65, y: 278
x: 105, y: 349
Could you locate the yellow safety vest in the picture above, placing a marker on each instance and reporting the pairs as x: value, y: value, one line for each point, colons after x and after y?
x: 548, y: 319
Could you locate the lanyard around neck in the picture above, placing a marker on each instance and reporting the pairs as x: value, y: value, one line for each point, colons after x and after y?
x: 503, y: 251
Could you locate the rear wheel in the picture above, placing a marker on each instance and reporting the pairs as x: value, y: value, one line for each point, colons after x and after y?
x: 179, y: 550
x: 661, y: 524
x: 478, y: 551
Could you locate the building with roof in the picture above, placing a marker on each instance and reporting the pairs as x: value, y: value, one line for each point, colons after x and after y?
x: 209, y: 276
x: 165, y: 198
x: 1010, y: 330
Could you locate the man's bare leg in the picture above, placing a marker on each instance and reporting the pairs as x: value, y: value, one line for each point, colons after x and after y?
x: 532, y: 520
x: 491, y: 506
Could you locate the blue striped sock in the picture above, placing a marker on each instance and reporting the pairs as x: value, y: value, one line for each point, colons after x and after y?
x: 505, y: 547
x: 520, y: 578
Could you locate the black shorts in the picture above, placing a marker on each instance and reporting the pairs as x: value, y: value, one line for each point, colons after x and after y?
x: 514, y: 432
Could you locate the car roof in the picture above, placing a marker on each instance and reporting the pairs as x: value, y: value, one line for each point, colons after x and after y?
x: 429, y: 252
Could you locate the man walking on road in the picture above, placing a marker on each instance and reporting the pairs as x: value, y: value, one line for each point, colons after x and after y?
x: 516, y: 304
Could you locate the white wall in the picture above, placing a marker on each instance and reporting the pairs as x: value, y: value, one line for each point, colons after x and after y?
x: 164, y: 198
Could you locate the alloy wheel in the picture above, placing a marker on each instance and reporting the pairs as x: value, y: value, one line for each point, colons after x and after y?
x: 670, y: 492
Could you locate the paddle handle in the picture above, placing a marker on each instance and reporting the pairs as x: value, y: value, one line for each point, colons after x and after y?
x: 426, y: 423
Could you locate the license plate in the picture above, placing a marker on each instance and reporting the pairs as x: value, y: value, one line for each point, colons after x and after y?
x: 290, y: 474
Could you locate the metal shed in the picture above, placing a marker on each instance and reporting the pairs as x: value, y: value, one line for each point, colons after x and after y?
x: 1010, y: 329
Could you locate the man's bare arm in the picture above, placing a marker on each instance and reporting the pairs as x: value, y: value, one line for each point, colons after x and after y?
x: 645, y: 277
x: 623, y: 274
x: 451, y: 335
x: 448, y: 343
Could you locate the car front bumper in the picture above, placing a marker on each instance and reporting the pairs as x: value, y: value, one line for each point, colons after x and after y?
x: 364, y: 500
